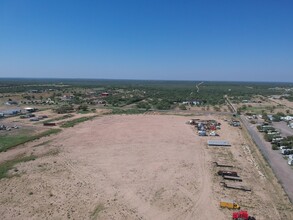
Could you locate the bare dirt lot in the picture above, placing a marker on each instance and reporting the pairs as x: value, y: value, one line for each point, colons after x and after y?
x: 284, y: 102
x: 137, y: 167
x: 283, y: 128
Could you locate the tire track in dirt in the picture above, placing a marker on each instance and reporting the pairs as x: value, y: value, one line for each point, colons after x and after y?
x: 203, y: 188
x: 74, y: 170
x: 141, y: 206
x: 203, y: 201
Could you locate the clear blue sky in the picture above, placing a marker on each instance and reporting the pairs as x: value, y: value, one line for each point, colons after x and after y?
x: 249, y: 40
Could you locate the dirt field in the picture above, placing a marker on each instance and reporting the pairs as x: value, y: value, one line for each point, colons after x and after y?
x: 288, y: 105
x: 137, y: 167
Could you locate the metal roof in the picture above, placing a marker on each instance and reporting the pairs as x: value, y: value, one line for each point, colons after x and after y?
x: 218, y: 143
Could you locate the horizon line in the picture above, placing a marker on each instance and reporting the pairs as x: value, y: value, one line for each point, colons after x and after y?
x: 168, y: 80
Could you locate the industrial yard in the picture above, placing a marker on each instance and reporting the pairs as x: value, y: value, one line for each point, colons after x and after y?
x: 148, y: 166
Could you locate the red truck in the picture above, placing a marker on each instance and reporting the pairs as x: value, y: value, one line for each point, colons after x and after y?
x: 242, y: 215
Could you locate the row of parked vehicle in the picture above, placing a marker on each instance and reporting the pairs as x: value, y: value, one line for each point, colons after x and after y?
x: 205, y: 127
x: 231, y: 204
x: 7, y: 128
x: 283, y: 144
x: 33, y: 117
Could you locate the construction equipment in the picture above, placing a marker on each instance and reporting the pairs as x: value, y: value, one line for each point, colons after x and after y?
x: 229, y: 204
x: 222, y: 165
x: 242, y: 215
x: 227, y: 173
x: 243, y: 188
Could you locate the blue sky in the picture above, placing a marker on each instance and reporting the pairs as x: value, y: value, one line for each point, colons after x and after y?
x: 148, y: 39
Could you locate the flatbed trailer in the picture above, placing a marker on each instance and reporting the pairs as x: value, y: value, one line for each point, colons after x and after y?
x: 222, y: 165
x: 235, y: 178
x: 243, y: 188
x: 49, y: 124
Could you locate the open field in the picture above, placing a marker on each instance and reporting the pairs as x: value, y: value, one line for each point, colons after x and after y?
x: 10, y: 141
x: 270, y: 106
x: 284, y: 102
x: 136, y: 167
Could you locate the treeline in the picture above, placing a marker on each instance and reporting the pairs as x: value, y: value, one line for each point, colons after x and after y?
x: 147, y: 94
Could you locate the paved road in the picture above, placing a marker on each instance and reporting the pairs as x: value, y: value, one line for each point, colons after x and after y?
x: 282, y: 170
x: 283, y: 128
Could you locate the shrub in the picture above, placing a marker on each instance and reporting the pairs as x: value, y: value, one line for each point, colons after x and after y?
x: 143, y: 105
x: 163, y: 105
x: 182, y: 107
x: 8, y: 165
x: 275, y: 147
x: 64, y: 109
x: 268, y: 138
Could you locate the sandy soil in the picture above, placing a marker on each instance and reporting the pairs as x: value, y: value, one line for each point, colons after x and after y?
x: 288, y: 105
x: 135, y: 167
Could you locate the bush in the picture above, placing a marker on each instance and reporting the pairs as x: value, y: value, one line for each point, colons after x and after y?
x: 182, y: 107
x: 83, y: 107
x: 117, y: 111
x: 8, y: 165
x: 275, y: 147
x: 163, y: 105
x: 143, y: 105
x: 64, y: 109
x: 217, y: 109
x: 268, y: 138
x: 76, y: 121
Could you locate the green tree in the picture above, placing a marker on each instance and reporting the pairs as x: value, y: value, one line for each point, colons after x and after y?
x: 163, y: 105
x: 64, y: 109
x: 83, y: 107
x: 182, y: 107
x: 144, y: 105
